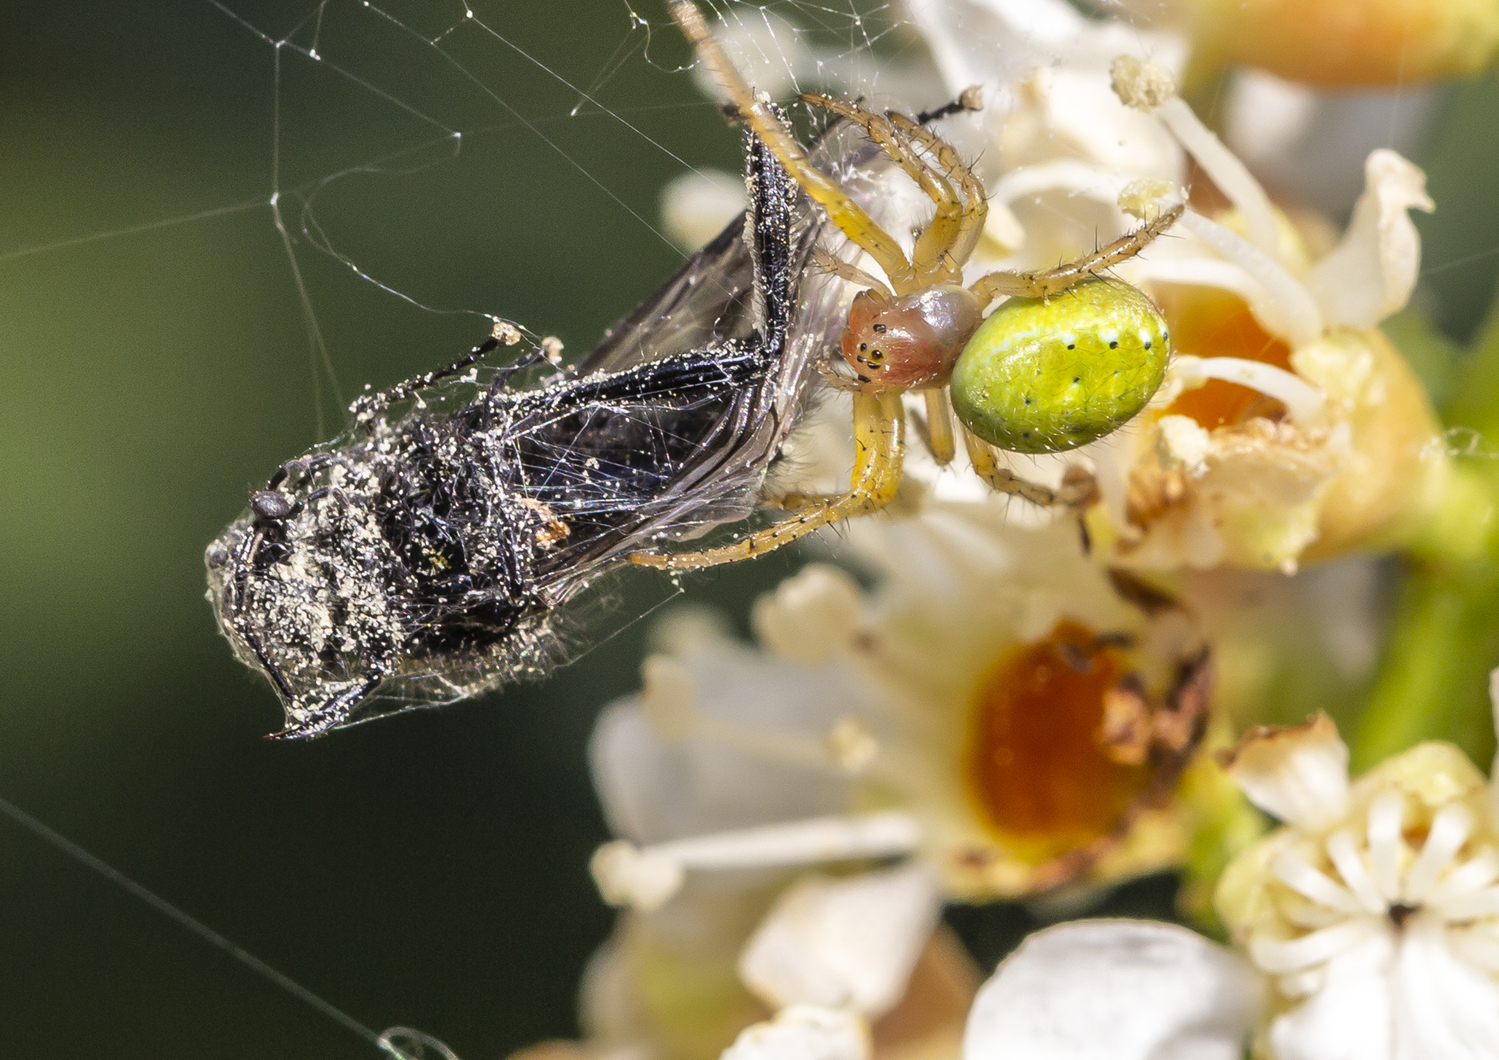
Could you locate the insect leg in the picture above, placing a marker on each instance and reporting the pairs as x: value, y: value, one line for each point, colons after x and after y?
x: 333, y: 713
x: 879, y: 440
x: 367, y: 406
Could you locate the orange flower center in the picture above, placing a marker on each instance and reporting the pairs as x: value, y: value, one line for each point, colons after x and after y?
x: 1208, y: 323
x: 1036, y: 768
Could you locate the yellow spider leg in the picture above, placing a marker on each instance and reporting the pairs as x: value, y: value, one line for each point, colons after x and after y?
x: 822, y: 189
x: 940, y: 441
x: 948, y: 267
x: 879, y: 450
x: 844, y: 271
x: 1055, y: 281
x: 1075, y: 491
x: 943, y: 228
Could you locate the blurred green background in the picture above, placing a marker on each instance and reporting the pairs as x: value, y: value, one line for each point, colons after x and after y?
x: 427, y: 869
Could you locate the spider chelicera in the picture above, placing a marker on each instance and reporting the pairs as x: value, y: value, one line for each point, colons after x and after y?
x: 1069, y: 358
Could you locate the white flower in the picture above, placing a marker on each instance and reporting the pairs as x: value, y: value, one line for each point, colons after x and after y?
x: 1375, y: 910
x: 1289, y: 428
x: 998, y: 714
x: 1106, y: 990
x: 1114, y: 990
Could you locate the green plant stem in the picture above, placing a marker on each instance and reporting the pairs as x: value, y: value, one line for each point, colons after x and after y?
x: 1433, y: 678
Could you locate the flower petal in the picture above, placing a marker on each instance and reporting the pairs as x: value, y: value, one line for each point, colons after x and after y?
x: 849, y: 942
x: 1298, y: 773
x: 1371, y: 273
x: 804, y: 1032
x: 810, y: 617
x: 1444, y: 1006
x: 1349, y: 1018
x: 653, y: 789
x: 1114, y: 990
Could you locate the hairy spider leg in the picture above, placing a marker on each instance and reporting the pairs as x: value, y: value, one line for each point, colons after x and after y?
x: 844, y: 270
x: 761, y: 118
x: 879, y: 452
x: 1054, y: 281
x: 948, y: 268
x: 1074, y: 493
x: 946, y: 224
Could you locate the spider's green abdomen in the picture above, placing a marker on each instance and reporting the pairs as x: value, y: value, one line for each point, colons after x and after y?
x: 1047, y: 376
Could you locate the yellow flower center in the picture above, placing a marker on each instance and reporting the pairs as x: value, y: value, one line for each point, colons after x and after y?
x: 1208, y: 323
x: 1036, y: 767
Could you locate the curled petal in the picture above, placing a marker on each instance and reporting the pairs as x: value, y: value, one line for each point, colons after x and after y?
x: 849, y: 942
x: 1298, y: 773
x: 1115, y: 990
x: 1349, y: 1017
x: 810, y: 617
x: 1444, y: 1006
x: 804, y: 1032
x: 1371, y: 273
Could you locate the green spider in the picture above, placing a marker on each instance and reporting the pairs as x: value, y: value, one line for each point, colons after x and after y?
x: 1069, y: 358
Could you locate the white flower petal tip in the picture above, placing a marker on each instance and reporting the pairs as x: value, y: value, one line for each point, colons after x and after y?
x: 804, y: 1032
x: 1115, y: 990
x: 668, y: 698
x: 1297, y: 773
x: 633, y: 878
x: 696, y: 206
x: 848, y: 943
x: 811, y: 617
x: 1371, y: 273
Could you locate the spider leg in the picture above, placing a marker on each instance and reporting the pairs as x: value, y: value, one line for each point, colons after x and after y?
x: 947, y: 266
x: 1055, y: 281
x: 1074, y: 493
x: 940, y: 441
x: 938, y: 235
x: 836, y: 266
x: 821, y: 188
x: 879, y: 443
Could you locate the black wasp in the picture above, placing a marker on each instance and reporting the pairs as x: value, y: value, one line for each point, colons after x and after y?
x: 425, y: 555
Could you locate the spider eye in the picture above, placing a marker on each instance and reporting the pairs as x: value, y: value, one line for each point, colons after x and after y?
x: 880, y: 328
x: 1048, y: 376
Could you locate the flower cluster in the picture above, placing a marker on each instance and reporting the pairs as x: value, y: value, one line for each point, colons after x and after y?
x: 985, y: 701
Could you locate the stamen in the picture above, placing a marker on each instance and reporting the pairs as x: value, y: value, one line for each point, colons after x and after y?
x: 1386, y: 844
x: 1305, y: 879
x: 1289, y: 310
x: 647, y: 877
x: 1477, y: 872
x: 1470, y: 906
x: 1149, y: 87
x: 1343, y: 851
x: 1226, y: 171
x: 1281, y: 956
x: 1450, y: 829
x: 1302, y: 400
